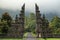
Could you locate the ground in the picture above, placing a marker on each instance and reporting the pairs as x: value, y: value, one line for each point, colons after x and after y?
x: 29, y: 37
x: 36, y: 39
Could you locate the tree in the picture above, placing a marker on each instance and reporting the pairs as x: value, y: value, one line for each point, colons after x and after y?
x: 31, y: 26
x: 30, y: 22
x: 32, y: 16
x: 4, y: 28
x: 7, y: 18
x: 55, y: 24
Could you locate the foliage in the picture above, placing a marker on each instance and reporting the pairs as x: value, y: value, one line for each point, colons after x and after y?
x: 5, y: 22
x: 30, y: 22
x: 3, y: 27
x: 31, y: 26
x: 7, y: 18
x: 55, y: 25
x: 32, y: 16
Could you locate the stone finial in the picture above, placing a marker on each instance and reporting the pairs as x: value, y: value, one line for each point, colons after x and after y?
x: 23, y: 7
x: 36, y: 7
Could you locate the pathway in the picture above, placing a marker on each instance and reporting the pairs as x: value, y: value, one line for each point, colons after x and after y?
x: 30, y: 37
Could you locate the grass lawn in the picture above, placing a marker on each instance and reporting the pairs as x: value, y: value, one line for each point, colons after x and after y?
x: 36, y: 39
x: 53, y: 39
x: 48, y: 39
x: 25, y: 35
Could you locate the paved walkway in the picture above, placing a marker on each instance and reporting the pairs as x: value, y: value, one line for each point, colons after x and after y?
x: 30, y: 37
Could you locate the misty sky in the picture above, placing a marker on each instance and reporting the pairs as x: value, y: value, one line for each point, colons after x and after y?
x: 44, y: 5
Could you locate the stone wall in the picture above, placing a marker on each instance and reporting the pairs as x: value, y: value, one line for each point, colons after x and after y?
x: 56, y: 35
x: 51, y: 36
x: 3, y: 35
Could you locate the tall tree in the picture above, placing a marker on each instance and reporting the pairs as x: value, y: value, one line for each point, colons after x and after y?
x: 55, y: 24
x: 7, y: 18
x: 30, y: 22
x: 4, y: 29
x: 32, y: 16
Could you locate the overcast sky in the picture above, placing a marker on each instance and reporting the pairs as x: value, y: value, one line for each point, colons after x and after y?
x: 44, y: 5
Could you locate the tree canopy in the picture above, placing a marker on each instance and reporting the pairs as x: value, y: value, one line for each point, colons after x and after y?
x: 7, y: 17
x: 55, y: 24
x: 30, y: 22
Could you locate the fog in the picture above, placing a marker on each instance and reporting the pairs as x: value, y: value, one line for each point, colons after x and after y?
x: 44, y: 5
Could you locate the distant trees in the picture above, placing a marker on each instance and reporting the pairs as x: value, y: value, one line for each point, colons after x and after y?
x: 31, y: 22
x: 32, y: 16
x: 55, y: 25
